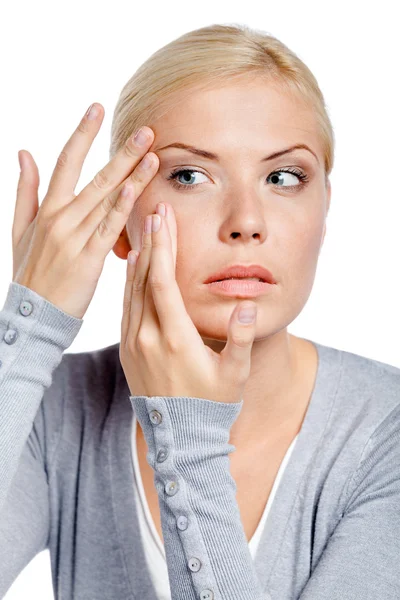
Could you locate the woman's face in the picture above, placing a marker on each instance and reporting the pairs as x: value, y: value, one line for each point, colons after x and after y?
x: 229, y: 211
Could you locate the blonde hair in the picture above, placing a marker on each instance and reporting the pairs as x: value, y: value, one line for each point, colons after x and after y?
x: 212, y: 56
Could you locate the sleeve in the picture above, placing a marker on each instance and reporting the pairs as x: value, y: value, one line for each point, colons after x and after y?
x: 207, y: 553
x: 24, y: 517
x: 361, y: 560
x: 34, y: 333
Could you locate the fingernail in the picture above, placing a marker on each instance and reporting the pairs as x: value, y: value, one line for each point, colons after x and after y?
x: 155, y: 223
x: 92, y: 112
x: 132, y: 258
x: 161, y: 209
x: 247, y: 315
x: 140, y: 137
x: 21, y: 161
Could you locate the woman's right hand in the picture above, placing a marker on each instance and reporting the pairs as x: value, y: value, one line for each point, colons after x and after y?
x: 59, y: 249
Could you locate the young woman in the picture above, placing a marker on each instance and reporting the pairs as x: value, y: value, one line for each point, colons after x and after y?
x: 248, y: 463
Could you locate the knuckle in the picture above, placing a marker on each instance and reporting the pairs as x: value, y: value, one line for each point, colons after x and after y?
x: 53, y: 229
x: 240, y: 340
x: 138, y: 284
x: 103, y: 229
x: 56, y: 229
x: 144, y: 341
x: 101, y: 180
x: 44, y: 212
x: 156, y: 282
x: 146, y: 244
x: 126, y: 306
x: 119, y: 206
x: 138, y: 176
x: 83, y: 126
x: 172, y: 345
x: 130, y: 151
x: 107, y: 204
x: 62, y: 159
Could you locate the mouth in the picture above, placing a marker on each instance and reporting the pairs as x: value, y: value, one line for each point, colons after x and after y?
x: 239, y: 279
x: 241, y: 287
x: 256, y: 273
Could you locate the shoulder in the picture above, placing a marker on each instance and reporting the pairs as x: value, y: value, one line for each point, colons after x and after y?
x: 371, y: 386
x: 355, y: 425
x: 366, y: 391
x: 363, y: 424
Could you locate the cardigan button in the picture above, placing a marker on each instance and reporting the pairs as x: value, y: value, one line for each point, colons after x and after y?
x: 25, y: 308
x: 10, y: 336
x: 171, y: 488
x: 162, y: 454
x: 194, y: 564
x: 155, y: 417
x: 182, y: 522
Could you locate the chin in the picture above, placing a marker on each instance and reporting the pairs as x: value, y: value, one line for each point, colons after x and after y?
x: 220, y: 334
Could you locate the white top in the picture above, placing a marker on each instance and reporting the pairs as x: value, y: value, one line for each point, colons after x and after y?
x: 154, y: 547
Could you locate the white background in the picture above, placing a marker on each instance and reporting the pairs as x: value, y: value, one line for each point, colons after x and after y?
x: 57, y: 58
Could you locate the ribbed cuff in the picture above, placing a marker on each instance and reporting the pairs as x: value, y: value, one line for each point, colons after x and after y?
x: 188, y: 447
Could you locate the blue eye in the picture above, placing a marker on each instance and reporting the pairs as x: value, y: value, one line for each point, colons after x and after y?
x: 302, y: 177
x: 175, y: 174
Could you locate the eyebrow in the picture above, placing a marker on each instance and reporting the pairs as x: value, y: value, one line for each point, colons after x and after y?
x: 212, y: 156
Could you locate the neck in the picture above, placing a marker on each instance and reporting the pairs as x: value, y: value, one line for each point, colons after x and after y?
x: 277, y: 392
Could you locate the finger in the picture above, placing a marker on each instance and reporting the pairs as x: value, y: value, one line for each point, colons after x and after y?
x: 236, y: 355
x: 27, y: 202
x: 130, y: 274
x: 102, y: 227
x: 172, y: 230
x: 71, y: 158
x: 168, y: 301
x: 113, y: 174
x: 139, y: 285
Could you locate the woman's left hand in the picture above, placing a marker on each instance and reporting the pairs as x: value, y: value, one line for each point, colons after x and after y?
x: 161, y: 351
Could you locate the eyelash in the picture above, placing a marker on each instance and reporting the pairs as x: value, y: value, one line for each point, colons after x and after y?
x: 176, y: 184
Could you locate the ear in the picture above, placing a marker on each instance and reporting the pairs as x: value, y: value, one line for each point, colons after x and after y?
x: 328, y: 194
x: 122, y: 246
x: 328, y: 198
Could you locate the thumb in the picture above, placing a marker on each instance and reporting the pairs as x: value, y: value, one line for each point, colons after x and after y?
x: 27, y: 204
x: 236, y: 356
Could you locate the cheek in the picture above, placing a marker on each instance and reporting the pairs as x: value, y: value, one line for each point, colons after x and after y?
x: 300, y: 258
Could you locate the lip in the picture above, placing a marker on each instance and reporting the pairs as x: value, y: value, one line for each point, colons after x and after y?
x: 240, y: 288
x: 239, y: 271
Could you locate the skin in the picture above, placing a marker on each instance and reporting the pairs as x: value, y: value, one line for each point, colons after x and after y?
x: 234, y: 215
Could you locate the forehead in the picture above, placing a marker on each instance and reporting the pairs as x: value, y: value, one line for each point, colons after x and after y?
x: 258, y: 115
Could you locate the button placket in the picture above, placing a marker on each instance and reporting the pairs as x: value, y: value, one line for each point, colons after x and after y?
x: 10, y: 337
x: 163, y: 449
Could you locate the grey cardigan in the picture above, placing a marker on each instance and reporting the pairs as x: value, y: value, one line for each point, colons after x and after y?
x: 66, y: 475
